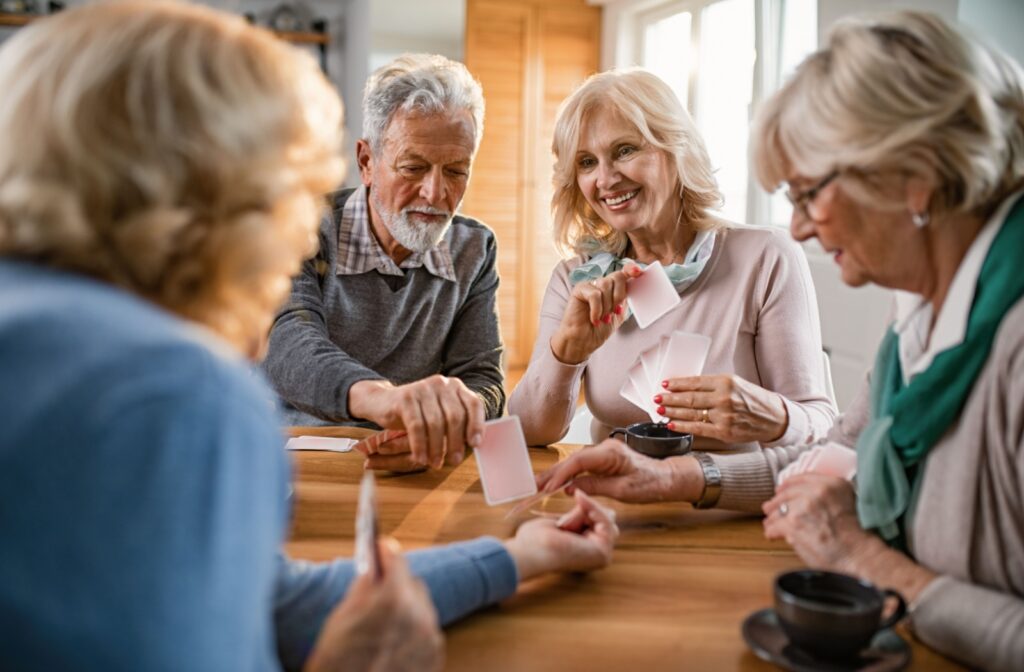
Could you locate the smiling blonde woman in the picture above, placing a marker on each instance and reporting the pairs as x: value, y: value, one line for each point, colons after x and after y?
x: 634, y: 184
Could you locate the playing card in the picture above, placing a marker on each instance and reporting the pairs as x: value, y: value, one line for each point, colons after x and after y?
x: 367, y: 548
x: 644, y: 392
x: 651, y: 295
x: 835, y: 460
x: 662, y: 351
x: 684, y: 356
x: 649, y: 360
x: 504, y: 462
x: 320, y: 443
x: 830, y: 459
x: 629, y: 393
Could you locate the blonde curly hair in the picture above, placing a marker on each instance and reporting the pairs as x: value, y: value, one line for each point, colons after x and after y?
x: 905, y: 94
x: 648, y: 103
x: 169, y: 149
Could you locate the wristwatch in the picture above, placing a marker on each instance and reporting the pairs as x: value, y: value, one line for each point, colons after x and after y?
x: 712, y: 481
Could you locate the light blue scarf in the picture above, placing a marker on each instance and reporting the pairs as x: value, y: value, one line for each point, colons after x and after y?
x: 600, y: 264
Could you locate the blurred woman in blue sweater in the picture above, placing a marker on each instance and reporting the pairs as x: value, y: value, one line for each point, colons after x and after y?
x: 161, y: 173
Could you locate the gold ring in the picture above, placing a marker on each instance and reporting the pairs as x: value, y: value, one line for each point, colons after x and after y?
x: 704, y: 416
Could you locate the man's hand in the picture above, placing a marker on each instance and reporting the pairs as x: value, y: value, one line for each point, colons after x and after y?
x: 440, y: 415
x: 389, y: 451
x: 387, y: 624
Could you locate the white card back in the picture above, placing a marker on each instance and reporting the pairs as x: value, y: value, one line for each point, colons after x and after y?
x: 504, y: 462
x: 685, y: 355
x: 651, y: 295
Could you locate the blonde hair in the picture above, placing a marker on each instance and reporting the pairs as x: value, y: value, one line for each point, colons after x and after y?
x: 169, y: 149
x: 906, y: 94
x: 650, y: 105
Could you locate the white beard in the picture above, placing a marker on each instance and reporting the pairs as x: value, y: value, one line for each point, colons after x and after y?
x: 414, y: 237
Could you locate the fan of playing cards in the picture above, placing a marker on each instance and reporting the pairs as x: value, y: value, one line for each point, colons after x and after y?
x: 677, y: 355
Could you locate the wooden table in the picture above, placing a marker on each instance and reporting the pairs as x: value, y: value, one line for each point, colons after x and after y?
x: 680, y: 585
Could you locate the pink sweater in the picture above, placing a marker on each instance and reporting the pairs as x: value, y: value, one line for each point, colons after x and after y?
x: 755, y: 299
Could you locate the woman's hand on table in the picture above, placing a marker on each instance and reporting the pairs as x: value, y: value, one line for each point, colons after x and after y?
x: 612, y: 469
x: 580, y: 541
x: 594, y: 311
x: 723, y: 407
x: 382, y: 624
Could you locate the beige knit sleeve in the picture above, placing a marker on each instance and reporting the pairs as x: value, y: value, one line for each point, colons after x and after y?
x: 748, y: 479
x: 545, y: 398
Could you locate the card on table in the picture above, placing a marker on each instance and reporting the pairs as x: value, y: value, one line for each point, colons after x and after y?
x: 504, y: 462
x: 320, y: 443
x: 651, y: 295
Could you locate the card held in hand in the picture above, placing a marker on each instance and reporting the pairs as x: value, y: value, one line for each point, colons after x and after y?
x: 504, y: 462
x: 651, y: 295
x: 367, y: 548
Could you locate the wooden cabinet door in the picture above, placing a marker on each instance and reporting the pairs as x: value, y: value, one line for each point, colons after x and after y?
x: 528, y: 55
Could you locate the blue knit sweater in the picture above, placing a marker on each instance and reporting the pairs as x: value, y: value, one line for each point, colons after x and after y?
x: 143, y: 497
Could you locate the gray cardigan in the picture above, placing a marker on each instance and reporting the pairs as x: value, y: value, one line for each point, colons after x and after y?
x: 968, y: 525
x: 339, y: 329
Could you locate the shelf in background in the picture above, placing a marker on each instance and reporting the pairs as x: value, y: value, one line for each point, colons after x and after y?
x: 17, y: 19
x: 303, y: 38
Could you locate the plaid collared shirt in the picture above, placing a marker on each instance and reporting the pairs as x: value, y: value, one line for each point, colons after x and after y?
x: 359, y: 252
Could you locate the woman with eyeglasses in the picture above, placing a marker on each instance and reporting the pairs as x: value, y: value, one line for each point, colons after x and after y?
x: 902, y: 143
x: 634, y: 185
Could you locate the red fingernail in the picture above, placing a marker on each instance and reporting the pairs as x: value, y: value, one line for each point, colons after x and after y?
x: 657, y: 399
x: 618, y: 309
x: 664, y: 384
x: 607, y: 319
x: 671, y: 425
x: 661, y: 410
x: 595, y: 323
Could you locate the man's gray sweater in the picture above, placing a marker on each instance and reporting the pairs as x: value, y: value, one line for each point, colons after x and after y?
x: 338, y: 329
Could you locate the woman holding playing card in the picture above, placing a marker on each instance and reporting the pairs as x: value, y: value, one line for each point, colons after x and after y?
x: 634, y: 187
x: 902, y: 145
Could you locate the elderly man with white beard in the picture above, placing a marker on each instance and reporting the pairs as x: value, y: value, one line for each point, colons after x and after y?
x: 393, y: 323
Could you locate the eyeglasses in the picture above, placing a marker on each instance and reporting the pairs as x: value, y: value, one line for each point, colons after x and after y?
x: 803, y: 200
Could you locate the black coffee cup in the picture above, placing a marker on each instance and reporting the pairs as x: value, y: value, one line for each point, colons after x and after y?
x: 832, y: 616
x: 654, y: 439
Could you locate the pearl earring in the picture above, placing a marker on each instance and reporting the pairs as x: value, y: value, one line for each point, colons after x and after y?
x: 920, y: 219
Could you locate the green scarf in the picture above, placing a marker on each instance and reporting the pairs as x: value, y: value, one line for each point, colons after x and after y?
x: 907, y: 420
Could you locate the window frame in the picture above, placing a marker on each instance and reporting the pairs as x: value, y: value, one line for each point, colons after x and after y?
x: 768, y: 43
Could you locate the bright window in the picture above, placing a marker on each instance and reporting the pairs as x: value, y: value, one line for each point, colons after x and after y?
x: 722, y: 57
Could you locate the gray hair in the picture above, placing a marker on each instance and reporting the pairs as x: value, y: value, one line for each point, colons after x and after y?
x: 905, y: 93
x: 423, y: 84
